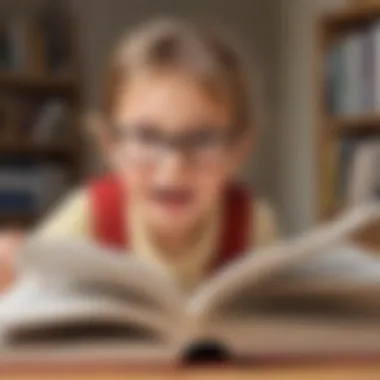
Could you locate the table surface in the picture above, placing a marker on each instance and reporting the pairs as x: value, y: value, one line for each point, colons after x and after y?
x: 346, y: 372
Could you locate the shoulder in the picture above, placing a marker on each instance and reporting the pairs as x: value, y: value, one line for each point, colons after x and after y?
x: 105, y: 189
x: 70, y: 217
x: 264, y: 225
x: 247, y: 209
x: 76, y: 200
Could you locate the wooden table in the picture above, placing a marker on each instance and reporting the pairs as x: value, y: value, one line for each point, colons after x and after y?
x: 335, y: 372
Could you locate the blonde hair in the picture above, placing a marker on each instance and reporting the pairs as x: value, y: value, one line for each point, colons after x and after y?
x: 174, y: 44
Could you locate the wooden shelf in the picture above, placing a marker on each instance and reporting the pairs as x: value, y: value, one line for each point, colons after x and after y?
x: 333, y: 27
x: 26, y: 149
x: 351, y: 16
x: 13, y: 81
x: 370, y: 121
x: 25, y: 92
x: 17, y: 218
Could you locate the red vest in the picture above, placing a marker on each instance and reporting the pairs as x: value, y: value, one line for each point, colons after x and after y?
x: 109, y: 203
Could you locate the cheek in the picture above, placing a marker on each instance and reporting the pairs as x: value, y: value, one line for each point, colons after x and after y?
x: 137, y: 180
x: 210, y: 182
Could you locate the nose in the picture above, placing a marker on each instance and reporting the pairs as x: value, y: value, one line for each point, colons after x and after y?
x: 173, y: 163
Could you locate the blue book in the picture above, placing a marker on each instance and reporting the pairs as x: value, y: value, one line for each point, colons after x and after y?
x: 17, y: 201
x: 334, y: 80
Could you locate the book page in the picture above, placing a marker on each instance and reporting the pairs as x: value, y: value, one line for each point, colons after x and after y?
x: 32, y: 308
x: 263, y: 263
x: 93, y: 267
x: 341, y: 270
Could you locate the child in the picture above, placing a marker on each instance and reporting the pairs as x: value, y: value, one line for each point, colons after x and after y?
x: 176, y: 126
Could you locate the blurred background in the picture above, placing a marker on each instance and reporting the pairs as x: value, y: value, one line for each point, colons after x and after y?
x: 52, y: 55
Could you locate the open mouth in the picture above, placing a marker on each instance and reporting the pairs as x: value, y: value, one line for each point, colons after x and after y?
x: 173, y: 198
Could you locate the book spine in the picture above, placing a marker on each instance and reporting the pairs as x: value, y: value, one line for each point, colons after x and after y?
x: 53, y: 24
x: 362, y: 173
x: 22, y: 201
x: 353, y: 62
x: 5, y: 52
x: 50, y: 118
x: 28, y: 113
x: 330, y: 173
x: 376, y: 73
x: 368, y: 73
x: 41, y: 185
x: 376, y: 177
x: 17, y: 37
x: 333, y: 70
x: 36, y: 49
x: 346, y: 154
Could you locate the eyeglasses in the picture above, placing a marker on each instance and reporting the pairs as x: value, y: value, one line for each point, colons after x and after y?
x: 145, y: 144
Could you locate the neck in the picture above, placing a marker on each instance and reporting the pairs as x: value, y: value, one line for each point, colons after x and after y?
x: 176, y: 242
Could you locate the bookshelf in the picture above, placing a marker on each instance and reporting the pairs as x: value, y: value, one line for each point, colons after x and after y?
x: 370, y: 121
x: 22, y: 82
x: 40, y: 80
x: 342, y: 118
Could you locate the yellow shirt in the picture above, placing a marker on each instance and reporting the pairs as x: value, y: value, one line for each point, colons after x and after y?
x: 73, y: 219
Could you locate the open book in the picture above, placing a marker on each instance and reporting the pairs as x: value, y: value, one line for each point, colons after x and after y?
x: 308, y: 296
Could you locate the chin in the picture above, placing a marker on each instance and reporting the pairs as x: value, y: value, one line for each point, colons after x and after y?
x: 173, y: 222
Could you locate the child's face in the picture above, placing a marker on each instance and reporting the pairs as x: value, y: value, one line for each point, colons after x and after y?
x: 174, y: 148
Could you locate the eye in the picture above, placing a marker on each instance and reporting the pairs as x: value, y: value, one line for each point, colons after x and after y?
x: 147, y: 134
x: 205, y: 138
x: 144, y: 133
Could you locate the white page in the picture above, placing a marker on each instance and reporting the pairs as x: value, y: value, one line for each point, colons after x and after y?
x: 263, y: 263
x: 83, y: 262
x: 340, y: 262
x: 344, y: 269
x: 31, y: 303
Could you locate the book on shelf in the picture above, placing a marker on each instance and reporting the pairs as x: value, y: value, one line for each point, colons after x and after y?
x: 330, y: 167
x: 28, y: 111
x: 376, y: 76
x: 25, y: 47
x: 16, y: 202
x: 352, y: 73
x: 35, y: 120
x: 350, y: 169
x: 52, y: 122
x: 368, y: 88
x: 18, y: 37
x: 37, y: 64
x: 346, y: 148
x: 4, y: 49
x: 37, y: 45
x: 32, y: 188
x: 353, y: 53
x: 8, y: 119
x: 304, y: 297
x: 334, y: 79
x: 363, y: 171
x: 54, y: 25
